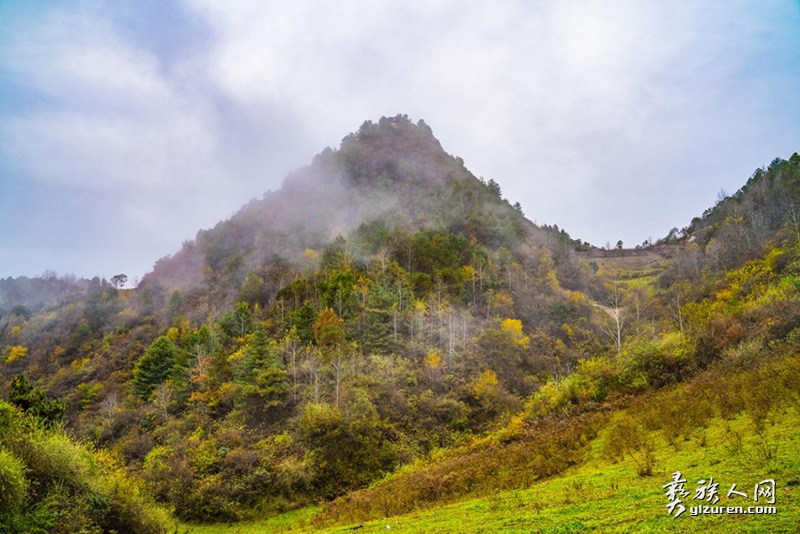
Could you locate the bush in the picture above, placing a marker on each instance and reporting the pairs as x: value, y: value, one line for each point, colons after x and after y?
x: 539, y: 451
x: 345, y: 453
x: 626, y: 436
x: 50, y: 483
x: 13, y: 484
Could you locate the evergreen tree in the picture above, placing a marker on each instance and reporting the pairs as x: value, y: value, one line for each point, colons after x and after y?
x: 155, y: 366
x: 33, y: 401
x: 261, y: 375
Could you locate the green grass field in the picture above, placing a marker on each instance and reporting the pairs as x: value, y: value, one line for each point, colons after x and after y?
x: 599, y: 496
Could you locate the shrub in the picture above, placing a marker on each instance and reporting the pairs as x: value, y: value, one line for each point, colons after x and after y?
x: 50, y: 483
x: 625, y: 436
x: 13, y: 484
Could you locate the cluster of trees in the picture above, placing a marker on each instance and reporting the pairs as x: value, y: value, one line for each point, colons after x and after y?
x: 377, y: 350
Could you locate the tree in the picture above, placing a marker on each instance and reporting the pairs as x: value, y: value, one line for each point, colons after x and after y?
x: 21, y: 311
x: 505, y: 349
x: 344, y: 452
x: 262, y: 374
x: 618, y: 314
x: 34, y: 402
x: 254, y: 290
x: 303, y: 319
x: 328, y: 329
x: 494, y: 187
x: 4, y: 330
x: 329, y: 332
x: 119, y: 280
x: 101, y: 303
x: 154, y: 367
x: 175, y: 304
x: 239, y: 322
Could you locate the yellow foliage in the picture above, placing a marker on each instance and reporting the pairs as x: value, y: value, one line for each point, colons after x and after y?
x: 514, y: 327
x: 197, y: 436
x: 16, y: 331
x: 79, y: 363
x: 674, y: 343
x: 568, y: 330
x: 107, y: 459
x: 236, y: 356
x: 433, y: 360
x: 184, y: 326
x: 329, y: 329
x: 576, y: 298
x: 544, y: 401
x: 173, y: 334
x: 773, y: 257
x: 16, y: 352
x: 547, y: 272
x: 597, y: 368
x: 485, y: 384
x: 724, y: 295
x: 515, y: 428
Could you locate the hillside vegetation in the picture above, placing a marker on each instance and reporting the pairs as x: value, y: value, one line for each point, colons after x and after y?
x: 50, y: 483
x: 386, y: 334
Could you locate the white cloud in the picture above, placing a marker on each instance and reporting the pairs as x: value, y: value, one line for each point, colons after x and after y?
x: 576, y: 108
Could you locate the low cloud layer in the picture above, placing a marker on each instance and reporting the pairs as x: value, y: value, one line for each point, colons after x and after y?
x: 127, y: 126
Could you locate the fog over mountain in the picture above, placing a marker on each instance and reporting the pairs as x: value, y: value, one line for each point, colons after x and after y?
x: 126, y: 126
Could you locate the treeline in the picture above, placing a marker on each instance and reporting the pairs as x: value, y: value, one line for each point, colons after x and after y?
x: 726, y: 339
x: 377, y: 351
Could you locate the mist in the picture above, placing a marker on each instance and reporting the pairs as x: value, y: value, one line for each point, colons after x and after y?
x: 127, y: 127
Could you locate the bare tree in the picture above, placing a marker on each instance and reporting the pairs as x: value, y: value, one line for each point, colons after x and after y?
x: 163, y: 396
x: 618, y: 314
x: 109, y: 408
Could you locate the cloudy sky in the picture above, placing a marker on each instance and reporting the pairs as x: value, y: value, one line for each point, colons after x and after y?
x: 126, y: 126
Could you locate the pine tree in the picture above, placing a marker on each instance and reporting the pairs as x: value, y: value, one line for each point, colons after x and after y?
x: 154, y: 367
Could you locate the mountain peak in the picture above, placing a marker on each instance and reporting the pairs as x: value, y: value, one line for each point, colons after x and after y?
x: 392, y: 172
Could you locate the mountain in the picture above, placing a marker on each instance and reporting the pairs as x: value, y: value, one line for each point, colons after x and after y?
x: 387, y: 176
x: 386, y: 315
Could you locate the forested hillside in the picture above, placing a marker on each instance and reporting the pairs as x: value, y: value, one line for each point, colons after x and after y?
x: 386, y: 332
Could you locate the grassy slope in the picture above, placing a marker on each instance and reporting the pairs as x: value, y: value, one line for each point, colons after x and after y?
x: 600, y: 496
x: 604, y: 497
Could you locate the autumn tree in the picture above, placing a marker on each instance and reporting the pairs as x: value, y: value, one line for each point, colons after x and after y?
x: 329, y: 333
x: 505, y: 348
